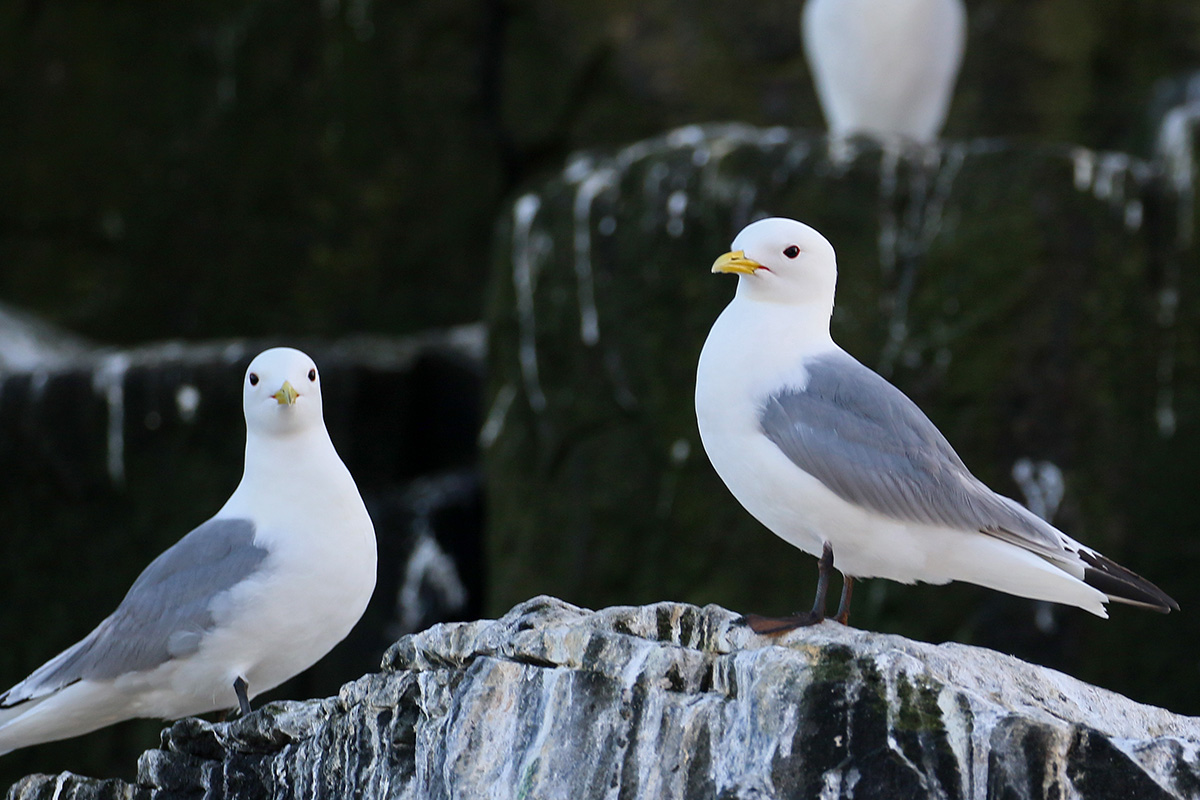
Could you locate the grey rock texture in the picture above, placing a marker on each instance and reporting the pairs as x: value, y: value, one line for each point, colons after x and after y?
x: 257, y: 166
x: 28, y: 343
x: 674, y: 701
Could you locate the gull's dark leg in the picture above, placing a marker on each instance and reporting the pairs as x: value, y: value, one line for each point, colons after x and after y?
x: 774, y: 626
x: 824, y: 568
x: 843, y: 612
x: 239, y: 688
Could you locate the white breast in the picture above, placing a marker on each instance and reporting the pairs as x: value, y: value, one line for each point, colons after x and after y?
x: 312, y: 589
x: 752, y: 350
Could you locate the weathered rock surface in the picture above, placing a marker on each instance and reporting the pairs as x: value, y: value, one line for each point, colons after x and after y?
x: 674, y: 701
x: 276, y: 148
x: 28, y: 343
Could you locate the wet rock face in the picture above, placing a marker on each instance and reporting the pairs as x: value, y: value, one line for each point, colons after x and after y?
x: 258, y: 151
x: 671, y: 700
x: 1033, y: 300
x: 111, y: 456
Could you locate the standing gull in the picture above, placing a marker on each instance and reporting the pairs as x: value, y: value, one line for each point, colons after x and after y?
x: 838, y: 462
x: 252, y: 597
x: 884, y: 67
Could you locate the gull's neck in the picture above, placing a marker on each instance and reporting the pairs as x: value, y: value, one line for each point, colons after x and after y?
x: 799, y: 327
x: 289, y: 469
x: 753, y: 348
x: 268, y: 455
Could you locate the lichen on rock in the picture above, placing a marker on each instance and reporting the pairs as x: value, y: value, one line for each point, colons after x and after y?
x: 673, y: 700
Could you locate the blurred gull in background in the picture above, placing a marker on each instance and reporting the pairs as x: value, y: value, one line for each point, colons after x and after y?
x: 885, y: 68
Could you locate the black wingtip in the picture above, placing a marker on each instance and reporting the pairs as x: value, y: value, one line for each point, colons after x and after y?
x: 1123, y: 585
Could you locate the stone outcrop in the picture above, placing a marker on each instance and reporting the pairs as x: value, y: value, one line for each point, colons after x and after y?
x: 28, y: 343
x: 674, y: 701
x: 260, y: 166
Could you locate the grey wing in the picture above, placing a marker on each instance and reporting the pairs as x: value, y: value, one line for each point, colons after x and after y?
x: 164, y: 615
x: 871, y: 445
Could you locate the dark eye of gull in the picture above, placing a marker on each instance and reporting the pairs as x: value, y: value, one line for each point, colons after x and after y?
x: 312, y: 374
x: 253, y: 379
x: 791, y: 251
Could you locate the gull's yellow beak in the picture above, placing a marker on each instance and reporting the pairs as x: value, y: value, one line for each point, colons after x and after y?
x: 736, y: 262
x: 287, y: 394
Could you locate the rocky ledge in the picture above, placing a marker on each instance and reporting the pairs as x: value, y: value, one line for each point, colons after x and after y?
x: 674, y: 701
